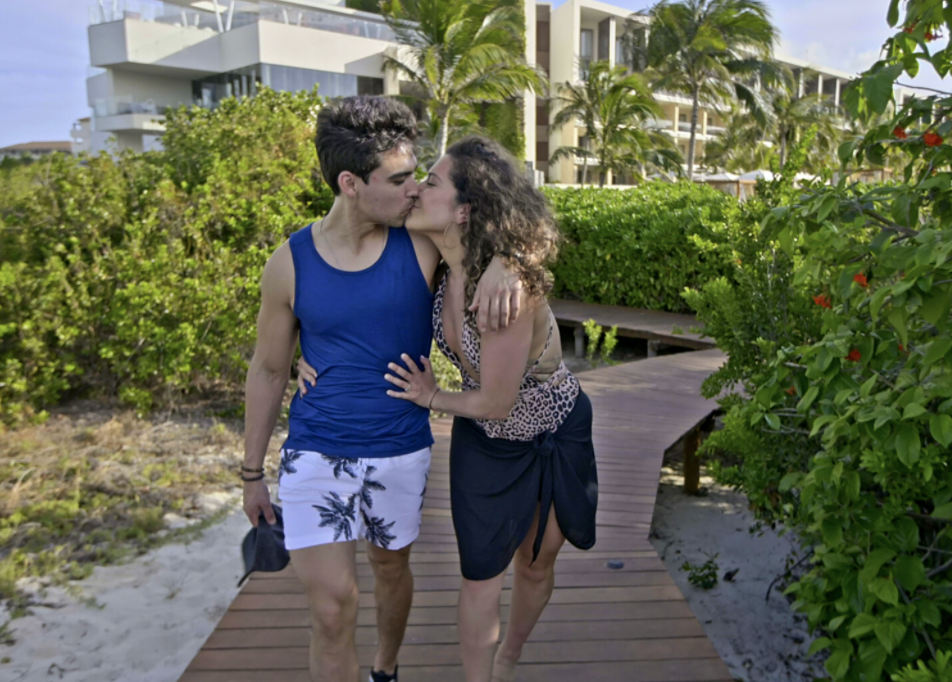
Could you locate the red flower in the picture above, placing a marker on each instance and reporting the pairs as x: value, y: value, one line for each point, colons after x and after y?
x: 932, y: 139
x: 861, y: 280
x: 930, y: 36
x: 791, y: 391
x: 822, y: 301
x: 902, y: 348
x: 854, y: 356
x: 899, y: 133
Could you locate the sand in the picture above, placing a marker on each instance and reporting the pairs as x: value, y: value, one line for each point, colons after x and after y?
x: 149, y: 619
x: 761, y: 640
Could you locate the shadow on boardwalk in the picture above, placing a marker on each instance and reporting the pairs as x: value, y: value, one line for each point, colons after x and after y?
x: 627, y: 624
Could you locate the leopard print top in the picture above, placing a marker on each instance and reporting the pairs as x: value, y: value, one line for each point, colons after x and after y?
x: 540, y: 405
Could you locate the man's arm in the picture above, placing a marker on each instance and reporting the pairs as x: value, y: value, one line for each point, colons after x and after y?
x: 497, y: 298
x: 268, y: 374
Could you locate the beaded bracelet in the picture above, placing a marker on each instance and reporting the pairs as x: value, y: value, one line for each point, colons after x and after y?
x: 252, y: 479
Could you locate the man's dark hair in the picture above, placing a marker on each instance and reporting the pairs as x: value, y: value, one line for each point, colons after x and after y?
x: 353, y: 132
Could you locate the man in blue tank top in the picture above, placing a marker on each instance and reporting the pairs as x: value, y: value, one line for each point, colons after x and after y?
x: 356, y: 293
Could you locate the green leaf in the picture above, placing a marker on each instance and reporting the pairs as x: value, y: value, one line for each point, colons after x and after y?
x: 867, y: 386
x: 877, y: 300
x: 826, y: 206
x: 907, y: 444
x: 897, y: 318
x: 940, y: 426
x: 872, y: 657
x: 913, y: 410
x: 819, y: 644
x: 929, y: 612
x: 862, y: 624
x: 890, y: 634
x: 875, y: 561
x: 909, y: 571
x: 906, y: 534
x: 773, y: 421
x: 838, y: 663
x: 943, y: 511
x: 807, y: 400
x: 935, y: 309
x: 885, y: 589
x: 892, y: 14
x: 789, y: 481
x: 937, y: 350
x: 832, y: 531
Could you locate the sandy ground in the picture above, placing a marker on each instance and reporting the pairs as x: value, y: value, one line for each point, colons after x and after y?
x: 761, y: 640
x: 149, y: 619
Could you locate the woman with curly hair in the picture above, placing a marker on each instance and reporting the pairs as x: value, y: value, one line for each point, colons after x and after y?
x: 522, y: 464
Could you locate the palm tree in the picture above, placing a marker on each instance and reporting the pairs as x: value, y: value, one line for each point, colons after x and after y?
x: 743, y: 142
x: 615, y: 108
x: 338, y: 515
x: 460, y: 51
x: 710, y: 50
x: 794, y: 113
x: 741, y: 147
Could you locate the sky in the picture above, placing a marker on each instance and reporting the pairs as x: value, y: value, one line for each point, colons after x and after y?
x: 44, y: 54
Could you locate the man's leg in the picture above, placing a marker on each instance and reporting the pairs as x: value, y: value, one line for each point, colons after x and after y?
x: 393, y: 593
x: 329, y: 574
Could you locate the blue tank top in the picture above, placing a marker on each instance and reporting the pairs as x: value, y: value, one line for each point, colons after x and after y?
x: 352, y: 325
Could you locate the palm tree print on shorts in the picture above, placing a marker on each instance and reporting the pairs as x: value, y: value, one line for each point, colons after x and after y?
x: 368, y: 486
x: 338, y: 515
x: 341, y: 464
x: 288, y: 458
x: 377, y: 532
x: 426, y: 482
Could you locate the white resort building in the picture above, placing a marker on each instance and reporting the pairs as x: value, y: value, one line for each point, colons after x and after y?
x: 147, y: 56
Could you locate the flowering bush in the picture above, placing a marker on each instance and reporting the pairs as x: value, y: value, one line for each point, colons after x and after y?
x: 846, y: 432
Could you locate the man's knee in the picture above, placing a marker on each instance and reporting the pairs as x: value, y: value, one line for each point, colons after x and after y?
x: 334, y: 610
x: 389, y: 565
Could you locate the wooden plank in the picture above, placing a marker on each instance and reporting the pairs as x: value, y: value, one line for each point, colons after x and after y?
x: 602, y: 623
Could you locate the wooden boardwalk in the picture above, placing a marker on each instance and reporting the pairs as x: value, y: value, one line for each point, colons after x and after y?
x: 656, y: 326
x: 628, y: 624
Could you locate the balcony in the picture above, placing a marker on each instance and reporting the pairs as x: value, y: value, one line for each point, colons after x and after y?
x: 333, y: 19
x: 121, y: 114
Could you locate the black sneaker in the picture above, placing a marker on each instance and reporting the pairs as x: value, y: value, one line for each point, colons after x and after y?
x: 383, y: 677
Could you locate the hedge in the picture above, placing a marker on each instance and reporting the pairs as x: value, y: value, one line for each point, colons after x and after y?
x: 641, y: 247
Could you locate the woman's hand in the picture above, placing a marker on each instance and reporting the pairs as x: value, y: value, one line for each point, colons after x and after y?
x: 306, y: 375
x: 419, y: 386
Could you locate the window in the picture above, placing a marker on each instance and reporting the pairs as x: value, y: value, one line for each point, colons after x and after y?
x: 586, y: 48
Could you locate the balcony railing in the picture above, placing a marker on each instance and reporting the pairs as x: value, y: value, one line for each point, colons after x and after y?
x: 124, y: 105
x: 242, y: 14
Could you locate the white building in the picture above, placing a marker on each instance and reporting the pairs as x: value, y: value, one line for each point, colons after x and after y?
x: 148, y: 56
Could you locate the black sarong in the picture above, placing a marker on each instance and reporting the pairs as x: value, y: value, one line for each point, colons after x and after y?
x: 496, y: 483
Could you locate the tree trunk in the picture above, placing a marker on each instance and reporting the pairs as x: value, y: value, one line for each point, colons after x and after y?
x: 585, y: 169
x: 783, y: 147
x: 603, y: 174
x: 694, y: 112
x: 444, y: 133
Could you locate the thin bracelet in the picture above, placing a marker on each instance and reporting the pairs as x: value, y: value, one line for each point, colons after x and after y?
x: 430, y: 404
x: 252, y: 479
x: 252, y: 471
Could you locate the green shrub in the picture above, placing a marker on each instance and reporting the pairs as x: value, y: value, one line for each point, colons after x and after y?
x: 641, y: 247
x: 843, y: 428
x: 137, y: 276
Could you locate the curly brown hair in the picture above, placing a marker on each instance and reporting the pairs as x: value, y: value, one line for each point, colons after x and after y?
x: 507, y: 215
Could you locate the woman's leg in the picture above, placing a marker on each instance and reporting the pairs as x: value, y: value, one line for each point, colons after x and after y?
x: 532, y: 586
x: 478, y: 625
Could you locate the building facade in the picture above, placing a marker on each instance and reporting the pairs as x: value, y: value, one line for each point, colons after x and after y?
x: 147, y: 56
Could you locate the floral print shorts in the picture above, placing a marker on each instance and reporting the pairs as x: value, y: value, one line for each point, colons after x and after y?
x: 338, y: 499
